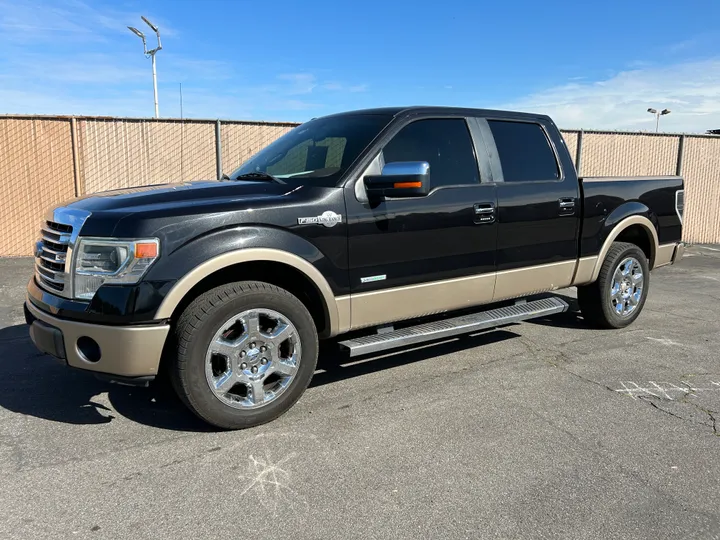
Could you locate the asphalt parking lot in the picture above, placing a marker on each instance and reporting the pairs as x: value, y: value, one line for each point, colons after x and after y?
x: 545, y: 429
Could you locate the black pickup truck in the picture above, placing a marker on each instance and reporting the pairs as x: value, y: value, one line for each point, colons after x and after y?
x: 390, y: 226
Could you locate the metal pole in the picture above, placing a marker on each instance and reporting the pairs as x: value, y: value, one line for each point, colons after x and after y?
x: 578, y: 152
x: 681, y: 153
x: 157, y: 112
x: 76, y: 160
x: 657, y: 119
x: 218, y: 151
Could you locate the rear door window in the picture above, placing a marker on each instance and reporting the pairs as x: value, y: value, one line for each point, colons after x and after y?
x: 525, y: 151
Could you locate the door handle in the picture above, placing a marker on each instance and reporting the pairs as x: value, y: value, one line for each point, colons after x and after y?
x: 567, y: 206
x: 484, y: 212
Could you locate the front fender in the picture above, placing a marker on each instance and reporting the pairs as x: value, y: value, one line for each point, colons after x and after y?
x: 200, y: 258
x: 176, y: 265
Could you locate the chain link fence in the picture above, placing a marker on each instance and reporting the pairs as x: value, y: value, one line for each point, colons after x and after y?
x: 47, y: 160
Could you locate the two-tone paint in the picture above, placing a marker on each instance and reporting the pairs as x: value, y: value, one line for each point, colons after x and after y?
x: 384, y: 260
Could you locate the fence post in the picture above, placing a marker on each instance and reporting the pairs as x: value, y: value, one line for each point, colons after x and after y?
x: 76, y: 161
x: 218, y: 150
x: 680, y: 154
x: 578, y: 152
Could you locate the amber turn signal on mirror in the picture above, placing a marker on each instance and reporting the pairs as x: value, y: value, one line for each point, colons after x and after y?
x: 407, y: 185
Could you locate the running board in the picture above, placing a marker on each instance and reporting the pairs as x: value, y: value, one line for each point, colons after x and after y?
x: 465, y: 324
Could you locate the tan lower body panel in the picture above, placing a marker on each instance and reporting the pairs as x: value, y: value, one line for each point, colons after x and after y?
x: 664, y: 254
x: 533, y: 279
x: 401, y: 303
x: 128, y: 351
x: 389, y: 305
x: 584, y: 272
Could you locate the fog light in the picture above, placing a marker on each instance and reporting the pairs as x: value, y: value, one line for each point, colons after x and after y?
x: 89, y: 349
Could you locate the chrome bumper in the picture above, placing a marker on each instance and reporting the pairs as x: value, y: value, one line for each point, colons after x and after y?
x: 126, y: 351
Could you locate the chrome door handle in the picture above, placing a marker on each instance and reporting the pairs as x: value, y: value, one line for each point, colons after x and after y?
x: 484, y: 212
x: 567, y: 206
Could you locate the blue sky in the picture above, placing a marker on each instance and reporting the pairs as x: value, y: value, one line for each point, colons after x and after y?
x: 588, y: 64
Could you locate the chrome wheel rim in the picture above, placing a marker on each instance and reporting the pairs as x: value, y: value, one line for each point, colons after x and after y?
x: 253, y: 358
x: 627, y: 287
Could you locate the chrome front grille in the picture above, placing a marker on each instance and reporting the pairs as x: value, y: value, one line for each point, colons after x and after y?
x: 53, y: 252
x: 51, y: 255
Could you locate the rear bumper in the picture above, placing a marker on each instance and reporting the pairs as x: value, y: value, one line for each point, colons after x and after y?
x: 679, y: 252
x: 125, y: 351
x: 669, y: 254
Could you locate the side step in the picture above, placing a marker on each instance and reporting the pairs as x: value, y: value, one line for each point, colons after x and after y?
x: 464, y: 324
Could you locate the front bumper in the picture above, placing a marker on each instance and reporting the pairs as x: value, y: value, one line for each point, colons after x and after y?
x: 124, y: 351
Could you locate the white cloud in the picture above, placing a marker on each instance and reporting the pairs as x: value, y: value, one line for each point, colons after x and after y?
x: 690, y: 90
x: 38, y: 21
x: 300, y: 83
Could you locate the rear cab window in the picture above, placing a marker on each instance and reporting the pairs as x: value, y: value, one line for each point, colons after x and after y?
x: 525, y: 152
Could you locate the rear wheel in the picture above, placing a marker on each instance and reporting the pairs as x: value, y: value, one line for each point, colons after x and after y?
x: 617, y: 297
x: 246, y: 353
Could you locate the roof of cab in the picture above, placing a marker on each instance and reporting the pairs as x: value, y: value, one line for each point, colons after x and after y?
x: 418, y: 109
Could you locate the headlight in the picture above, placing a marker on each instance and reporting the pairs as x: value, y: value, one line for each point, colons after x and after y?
x: 99, y: 261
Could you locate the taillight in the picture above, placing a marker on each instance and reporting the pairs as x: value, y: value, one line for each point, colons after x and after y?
x: 680, y: 203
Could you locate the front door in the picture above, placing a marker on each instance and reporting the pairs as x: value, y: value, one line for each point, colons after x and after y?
x: 417, y: 256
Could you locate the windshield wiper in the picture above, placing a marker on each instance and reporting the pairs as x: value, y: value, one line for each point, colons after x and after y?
x: 259, y: 176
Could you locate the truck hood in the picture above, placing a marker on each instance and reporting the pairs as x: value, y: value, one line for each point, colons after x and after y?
x: 176, y: 196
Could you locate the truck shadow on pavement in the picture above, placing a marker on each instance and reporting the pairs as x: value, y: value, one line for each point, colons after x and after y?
x: 34, y: 384
x: 572, y: 318
x: 38, y: 385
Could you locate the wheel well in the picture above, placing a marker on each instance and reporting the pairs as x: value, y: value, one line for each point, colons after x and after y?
x: 282, y: 275
x: 638, y: 235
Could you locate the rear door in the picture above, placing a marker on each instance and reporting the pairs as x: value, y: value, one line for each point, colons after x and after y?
x: 538, y: 208
x: 421, y: 255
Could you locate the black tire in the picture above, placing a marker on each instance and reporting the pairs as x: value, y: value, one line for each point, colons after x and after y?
x: 202, y: 319
x: 595, y: 299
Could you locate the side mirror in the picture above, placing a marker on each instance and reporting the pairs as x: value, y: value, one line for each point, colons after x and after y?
x: 400, y: 179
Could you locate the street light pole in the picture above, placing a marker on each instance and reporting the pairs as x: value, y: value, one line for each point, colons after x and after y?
x: 157, y: 109
x: 151, y: 54
x: 658, y: 114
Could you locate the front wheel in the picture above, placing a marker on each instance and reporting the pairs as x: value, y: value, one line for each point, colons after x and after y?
x: 246, y: 353
x: 617, y: 297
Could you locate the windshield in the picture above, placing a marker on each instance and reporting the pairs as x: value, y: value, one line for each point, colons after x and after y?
x: 317, y: 152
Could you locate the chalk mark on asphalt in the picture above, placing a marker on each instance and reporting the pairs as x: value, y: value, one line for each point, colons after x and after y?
x: 635, y: 390
x: 270, y: 482
x: 665, y: 341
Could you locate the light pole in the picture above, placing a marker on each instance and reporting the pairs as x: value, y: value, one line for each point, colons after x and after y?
x: 658, y: 114
x: 151, y: 54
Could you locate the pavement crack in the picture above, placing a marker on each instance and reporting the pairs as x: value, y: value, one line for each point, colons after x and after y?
x: 656, y: 406
x: 555, y: 362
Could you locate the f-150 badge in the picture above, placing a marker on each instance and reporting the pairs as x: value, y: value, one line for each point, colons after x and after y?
x: 328, y: 218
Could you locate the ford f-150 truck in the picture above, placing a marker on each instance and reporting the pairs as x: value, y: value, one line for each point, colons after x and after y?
x: 387, y: 227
